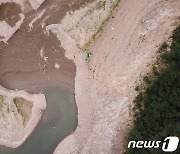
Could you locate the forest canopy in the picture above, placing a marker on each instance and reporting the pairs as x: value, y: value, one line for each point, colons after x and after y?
x: 157, y: 108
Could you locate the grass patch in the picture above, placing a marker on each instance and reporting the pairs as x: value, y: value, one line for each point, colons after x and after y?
x: 16, y: 103
x: 1, y: 102
x: 1, y: 7
x: 99, y: 5
x: 157, y: 107
x: 24, y: 108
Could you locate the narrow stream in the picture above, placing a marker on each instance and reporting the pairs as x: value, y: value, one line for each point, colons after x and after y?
x: 58, y: 121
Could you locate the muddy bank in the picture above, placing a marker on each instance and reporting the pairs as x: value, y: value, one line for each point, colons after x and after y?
x: 33, y: 59
x: 22, y: 57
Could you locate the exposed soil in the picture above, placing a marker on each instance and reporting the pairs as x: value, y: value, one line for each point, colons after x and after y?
x: 10, y: 13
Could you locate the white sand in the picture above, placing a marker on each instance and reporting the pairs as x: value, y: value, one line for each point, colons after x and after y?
x: 12, y: 131
x: 121, y: 54
x: 36, y: 3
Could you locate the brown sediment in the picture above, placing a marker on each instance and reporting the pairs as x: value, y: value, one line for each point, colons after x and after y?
x: 21, y: 59
x: 21, y: 64
x: 10, y: 13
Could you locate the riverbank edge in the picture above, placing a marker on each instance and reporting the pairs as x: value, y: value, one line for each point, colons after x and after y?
x: 39, y: 105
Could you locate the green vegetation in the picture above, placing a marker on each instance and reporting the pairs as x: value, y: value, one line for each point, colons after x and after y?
x: 1, y: 101
x: 88, y: 55
x: 1, y: 9
x: 157, y: 107
x: 163, y: 47
x: 24, y: 108
x: 16, y: 103
x: 101, y: 5
x: 3, y: 105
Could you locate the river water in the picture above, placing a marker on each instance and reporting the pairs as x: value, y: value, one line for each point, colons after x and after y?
x: 22, y: 67
x: 58, y: 121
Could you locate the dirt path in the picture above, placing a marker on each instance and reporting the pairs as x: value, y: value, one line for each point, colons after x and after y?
x: 104, y: 88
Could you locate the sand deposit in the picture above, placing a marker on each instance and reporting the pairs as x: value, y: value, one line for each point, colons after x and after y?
x: 20, y: 112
